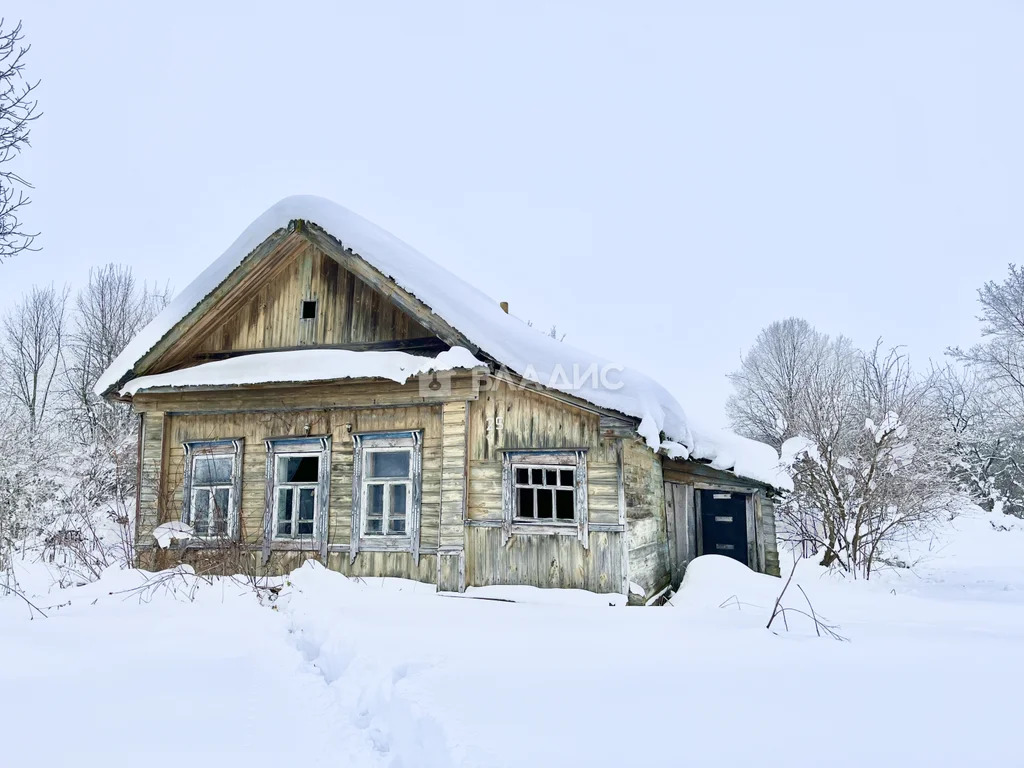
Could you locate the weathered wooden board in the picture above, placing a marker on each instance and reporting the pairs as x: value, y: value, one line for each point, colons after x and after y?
x: 291, y: 397
x: 453, y: 474
x: 645, y: 511
x: 544, y: 560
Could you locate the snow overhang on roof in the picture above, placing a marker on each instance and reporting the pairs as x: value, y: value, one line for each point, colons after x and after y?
x: 522, y: 349
x: 305, y: 365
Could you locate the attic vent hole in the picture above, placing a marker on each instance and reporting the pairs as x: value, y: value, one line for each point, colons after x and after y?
x: 308, y: 310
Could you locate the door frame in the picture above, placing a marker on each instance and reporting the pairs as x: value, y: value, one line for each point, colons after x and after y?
x: 755, y: 541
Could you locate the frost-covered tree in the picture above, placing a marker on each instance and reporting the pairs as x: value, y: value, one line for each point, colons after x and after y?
x: 868, y: 451
x: 109, y: 311
x: 770, y: 383
x: 18, y: 108
x: 31, y: 354
x: 986, y: 400
x: 68, y: 471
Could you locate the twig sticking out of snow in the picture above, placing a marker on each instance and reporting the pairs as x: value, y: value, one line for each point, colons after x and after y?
x: 31, y: 606
x: 820, y: 625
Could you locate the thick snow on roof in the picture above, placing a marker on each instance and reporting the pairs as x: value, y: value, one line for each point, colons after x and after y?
x: 523, y: 349
x: 305, y: 365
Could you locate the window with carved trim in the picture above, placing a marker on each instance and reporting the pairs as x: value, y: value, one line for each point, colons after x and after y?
x: 212, y: 493
x: 386, y: 491
x: 298, y: 483
x: 545, y: 491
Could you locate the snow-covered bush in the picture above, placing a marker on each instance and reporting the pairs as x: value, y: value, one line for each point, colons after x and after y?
x: 68, y: 471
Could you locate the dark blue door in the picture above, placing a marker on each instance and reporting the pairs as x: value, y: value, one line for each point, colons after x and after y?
x: 723, y: 517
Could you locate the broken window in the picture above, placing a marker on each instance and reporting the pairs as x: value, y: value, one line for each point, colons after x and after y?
x: 545, y: 493
x: 296, y: 488
x: 309, y: 310
x: 212, y: 488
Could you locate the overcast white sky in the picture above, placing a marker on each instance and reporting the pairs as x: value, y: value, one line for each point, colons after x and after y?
x: 660, y: 181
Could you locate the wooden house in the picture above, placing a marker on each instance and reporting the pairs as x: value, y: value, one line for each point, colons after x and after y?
x: 324, y: 391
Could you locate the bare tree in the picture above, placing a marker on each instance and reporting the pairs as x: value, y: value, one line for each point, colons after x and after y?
x: 771, y: 381
x: 18, y: 108
x: 871, y: 462
x: 110, y: 310
x: 31, y: 351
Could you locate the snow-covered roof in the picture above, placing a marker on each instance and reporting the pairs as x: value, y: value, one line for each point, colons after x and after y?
x: 521, y: 348
x: 305, y: 365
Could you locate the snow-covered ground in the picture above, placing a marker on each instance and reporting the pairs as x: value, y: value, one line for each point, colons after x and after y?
x: 386, y: 673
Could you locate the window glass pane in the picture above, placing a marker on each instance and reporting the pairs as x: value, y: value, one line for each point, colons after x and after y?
x: 298, y: 469
x: 284, y: 511
x: 388, y: 464
x: 525, y: 502
x: 221, y: 501
x: 537, y: 476
x: 307, y: 503
x: 374, y: 526
x: 396, y: 525
x: 399, y: 499
x: 545, y: 502
x: 522, y: 475
x: 550, y: 477
x: 375, y: 500
x: 201, y: 512
x: 208, y: 470
x: 565, y: 477
x: 565, y: 505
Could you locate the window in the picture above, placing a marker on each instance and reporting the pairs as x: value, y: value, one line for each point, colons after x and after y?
x: 386, y: 492
x: 387, y: 488
x: 298, y: 479
x: 296, y: 483
x: 309, y: 310
x: 212, y: 488
x: 545, y: 492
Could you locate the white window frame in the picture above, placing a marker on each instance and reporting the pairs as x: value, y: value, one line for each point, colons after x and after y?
x: 293, y: 447
x: 298, y: 488
x: 512, y: 523
x: 387, y: 483
x: 366, y: 444
x: 197, y: 450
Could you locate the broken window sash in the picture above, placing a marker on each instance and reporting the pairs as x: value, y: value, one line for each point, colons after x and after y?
x: 297, y: 493
x: 297, y: 488
x: 545, y: 491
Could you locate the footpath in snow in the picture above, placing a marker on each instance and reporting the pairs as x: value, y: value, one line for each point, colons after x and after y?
x: 387, y: 673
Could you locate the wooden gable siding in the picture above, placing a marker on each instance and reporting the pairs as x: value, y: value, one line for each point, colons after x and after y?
x: 267, y: 315
x: 506, y: 417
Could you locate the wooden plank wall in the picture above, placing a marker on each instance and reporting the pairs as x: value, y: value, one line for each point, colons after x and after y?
x: 645, y: 512
x: 509, y: 418
x: 268, y: 315
x: 151, y: 469
x: 254, y: 427
x: 694, y: 473
x: 451, y: 540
